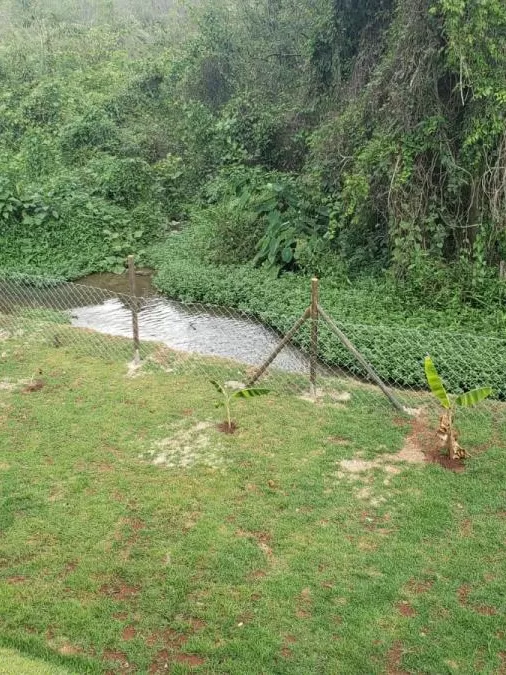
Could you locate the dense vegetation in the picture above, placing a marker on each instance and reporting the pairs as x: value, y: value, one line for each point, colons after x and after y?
x: 354, y: 140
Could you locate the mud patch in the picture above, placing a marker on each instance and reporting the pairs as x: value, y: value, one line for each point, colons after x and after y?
x: 128, y: 633
x: 120, y: 591
x: 435, y: 457
x: 418, y: 587
x: 189, y: 659
x: 188, y: 446
x: 463, y: 596
x: 14, y: 581
x: 226, y: 428
x: 405, y: 609
x: 394, y: 660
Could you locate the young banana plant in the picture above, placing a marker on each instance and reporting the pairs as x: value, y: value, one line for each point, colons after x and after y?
x: 447, y: 432
x: 229, y: 395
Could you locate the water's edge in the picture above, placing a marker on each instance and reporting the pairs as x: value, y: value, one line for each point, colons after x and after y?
x: 102, y: 302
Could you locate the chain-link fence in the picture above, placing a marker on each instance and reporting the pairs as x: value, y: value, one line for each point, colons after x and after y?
x: 323, y: 360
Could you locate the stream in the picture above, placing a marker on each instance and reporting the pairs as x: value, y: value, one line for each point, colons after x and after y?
x: 100, y: 302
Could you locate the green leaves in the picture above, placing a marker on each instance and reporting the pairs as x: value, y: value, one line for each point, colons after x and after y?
x: 466, y: 400
x: 218, y: 387
x: 436, y: 383
x: 473, y: 397
x: 227, y: 396
x: 250, y: 393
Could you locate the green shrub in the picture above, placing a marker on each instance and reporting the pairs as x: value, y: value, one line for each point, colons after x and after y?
x: 373, y: 316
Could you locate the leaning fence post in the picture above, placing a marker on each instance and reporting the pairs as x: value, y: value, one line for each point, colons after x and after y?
x: 135, y: 309
x: 275, y: 353
x: 361, y: 359
x: 313, y: 356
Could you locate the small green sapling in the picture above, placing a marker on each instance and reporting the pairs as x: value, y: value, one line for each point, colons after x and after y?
x: 228, y: 395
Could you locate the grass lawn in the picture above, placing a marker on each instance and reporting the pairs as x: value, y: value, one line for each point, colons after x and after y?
x: 136, y: 538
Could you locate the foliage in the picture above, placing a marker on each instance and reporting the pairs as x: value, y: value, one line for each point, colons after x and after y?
x: 391, y: 331
x: 229, y: 395
x: 330, y: 137
x: 467, y: 399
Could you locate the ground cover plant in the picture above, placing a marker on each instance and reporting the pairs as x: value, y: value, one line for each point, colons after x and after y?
x: 137, y: 538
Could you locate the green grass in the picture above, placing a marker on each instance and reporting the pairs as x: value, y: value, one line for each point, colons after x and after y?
x: 251, y: 553
x: 12, y: 662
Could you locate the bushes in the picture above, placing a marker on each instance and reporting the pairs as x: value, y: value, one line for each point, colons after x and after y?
x: 372, y: 315
x: 67, y: 233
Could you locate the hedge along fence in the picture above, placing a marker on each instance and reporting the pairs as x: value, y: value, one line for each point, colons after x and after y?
x: 397, y: 354
x: 464, y: 360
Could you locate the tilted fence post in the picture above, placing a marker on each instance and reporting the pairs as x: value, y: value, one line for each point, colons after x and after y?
x: 361, y: 359
x: 260, y: 371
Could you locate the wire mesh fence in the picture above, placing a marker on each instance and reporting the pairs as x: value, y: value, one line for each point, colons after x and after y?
x: 382, y: 368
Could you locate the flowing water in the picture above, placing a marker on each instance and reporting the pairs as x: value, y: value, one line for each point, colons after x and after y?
x: 101, y: 302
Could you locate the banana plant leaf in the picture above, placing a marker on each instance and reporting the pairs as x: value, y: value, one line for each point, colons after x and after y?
x: 436, y: 383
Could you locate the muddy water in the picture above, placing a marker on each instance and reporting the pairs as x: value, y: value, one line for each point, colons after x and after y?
x: 190, y: 328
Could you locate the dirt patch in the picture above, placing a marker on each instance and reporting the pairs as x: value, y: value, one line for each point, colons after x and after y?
x: 11, y: 386
x: 423, y: 437
x: 69, y: 568
x: 304, y: 604
x: 120, y: 616
x: 118, y: 658
x: 187, y: 446
x: 419, y: 587
x: 227, y: 428
x: 466, y: 528
x: 463, y: 594
x: 394, y: 660
x: 421, y: 446
x: 196, y: 624
x: 257, y: 574
x: 405, y: 609
x: 128, y: 633
x: 33, y: 386
x: 435, y: 457
x: 485, y: 610
x: 168, y: 637
x: 160, y: 663
x: 18, y: 579
x: 120, y: 591
x: 189, y: 659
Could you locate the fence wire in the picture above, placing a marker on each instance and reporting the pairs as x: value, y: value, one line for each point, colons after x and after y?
x: 216, y: 343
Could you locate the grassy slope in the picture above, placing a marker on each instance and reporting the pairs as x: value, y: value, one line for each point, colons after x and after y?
x: 268, y: 561
x: 12, y: 662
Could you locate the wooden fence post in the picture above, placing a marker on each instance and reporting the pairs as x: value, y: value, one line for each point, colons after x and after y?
x: 361, y: 359
x: 313, y: 356
x: 135, y: 309
x: 260, y: 371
